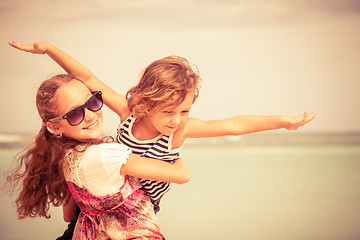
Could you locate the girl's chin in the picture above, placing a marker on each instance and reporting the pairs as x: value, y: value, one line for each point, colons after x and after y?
x: 93, y: 134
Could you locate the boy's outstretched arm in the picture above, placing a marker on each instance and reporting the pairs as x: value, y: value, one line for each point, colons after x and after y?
x: 239, y: 125
x: 112, y: 99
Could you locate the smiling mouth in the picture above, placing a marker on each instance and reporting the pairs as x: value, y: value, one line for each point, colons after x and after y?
x: 93, y: 125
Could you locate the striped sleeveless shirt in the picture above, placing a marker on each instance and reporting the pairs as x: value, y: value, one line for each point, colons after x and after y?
x: 158, y: 147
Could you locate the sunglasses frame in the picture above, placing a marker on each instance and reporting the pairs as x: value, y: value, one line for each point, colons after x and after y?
x: 85, y: 105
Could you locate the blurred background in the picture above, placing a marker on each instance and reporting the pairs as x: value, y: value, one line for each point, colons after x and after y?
x: 255, y: 58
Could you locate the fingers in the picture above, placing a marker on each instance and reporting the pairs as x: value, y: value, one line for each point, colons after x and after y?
x: 20, y: 46
x: 310, y: 117
x: 36, y: 47
x: 301, y: 120
x: 307, y: 117
x: 13, y: 44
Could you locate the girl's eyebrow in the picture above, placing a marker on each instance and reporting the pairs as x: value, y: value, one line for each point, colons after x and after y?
x: 86, y: 99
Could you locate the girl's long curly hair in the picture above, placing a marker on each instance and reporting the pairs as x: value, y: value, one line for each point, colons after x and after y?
x: 38, y: 174
x: 164, y: 81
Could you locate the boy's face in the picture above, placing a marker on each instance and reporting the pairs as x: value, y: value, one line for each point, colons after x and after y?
x: 170, y: 118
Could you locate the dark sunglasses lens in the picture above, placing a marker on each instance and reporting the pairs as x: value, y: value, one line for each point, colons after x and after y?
x: 75, y: 116
x: 94, y: 103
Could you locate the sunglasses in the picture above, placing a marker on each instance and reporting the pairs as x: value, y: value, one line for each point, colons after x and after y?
x: 77, y: 115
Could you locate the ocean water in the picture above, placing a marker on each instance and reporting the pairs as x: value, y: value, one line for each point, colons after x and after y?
x: 261, y: 187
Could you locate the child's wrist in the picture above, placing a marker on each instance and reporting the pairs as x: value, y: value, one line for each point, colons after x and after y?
x: 48, y: 47
x: 286, y: 121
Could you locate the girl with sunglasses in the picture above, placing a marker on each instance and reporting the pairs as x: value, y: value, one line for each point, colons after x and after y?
x: 71, y: 164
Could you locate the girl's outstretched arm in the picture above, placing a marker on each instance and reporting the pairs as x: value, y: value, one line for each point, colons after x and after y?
x: 239, y: 125
x: 112, y: 99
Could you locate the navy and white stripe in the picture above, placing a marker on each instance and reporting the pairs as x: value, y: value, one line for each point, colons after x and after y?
x: 159, y: 148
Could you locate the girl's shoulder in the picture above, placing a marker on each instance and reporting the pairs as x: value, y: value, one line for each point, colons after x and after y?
x: 107, y: 154
x: 94, y: 152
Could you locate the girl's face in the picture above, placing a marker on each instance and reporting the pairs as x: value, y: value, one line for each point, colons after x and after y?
x: 170, y: 118
x: 68, y: 97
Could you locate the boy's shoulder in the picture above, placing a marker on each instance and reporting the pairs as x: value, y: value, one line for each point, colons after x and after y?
x: 182, y: 133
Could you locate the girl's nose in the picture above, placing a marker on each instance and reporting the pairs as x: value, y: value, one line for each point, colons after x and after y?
x: 89, y: 115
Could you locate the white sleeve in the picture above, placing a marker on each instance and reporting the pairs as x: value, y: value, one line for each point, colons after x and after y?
x: 99, y: 169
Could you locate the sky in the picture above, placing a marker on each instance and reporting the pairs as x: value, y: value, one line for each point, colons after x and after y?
x: 260, y: 57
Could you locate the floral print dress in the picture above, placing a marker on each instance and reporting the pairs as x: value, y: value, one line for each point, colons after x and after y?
x: 126, y: 213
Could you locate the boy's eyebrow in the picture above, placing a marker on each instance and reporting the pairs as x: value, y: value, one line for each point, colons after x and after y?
x: 167, y: 109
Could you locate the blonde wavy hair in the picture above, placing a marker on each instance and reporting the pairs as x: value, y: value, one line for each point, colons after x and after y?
x: 164, y: 82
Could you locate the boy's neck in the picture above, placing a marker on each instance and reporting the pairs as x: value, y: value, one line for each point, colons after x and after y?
x: 144, y: 130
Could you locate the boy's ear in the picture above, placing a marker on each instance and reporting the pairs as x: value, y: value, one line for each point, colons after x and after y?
x: 53, y: 127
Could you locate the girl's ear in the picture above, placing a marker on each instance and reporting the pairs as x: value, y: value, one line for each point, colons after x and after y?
x: 53, y: 127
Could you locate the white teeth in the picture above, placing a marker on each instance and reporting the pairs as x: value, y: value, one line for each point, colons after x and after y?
x: 92, y: 125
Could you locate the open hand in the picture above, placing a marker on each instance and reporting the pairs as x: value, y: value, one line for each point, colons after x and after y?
x: 298, y: 121
x: 36, y: 47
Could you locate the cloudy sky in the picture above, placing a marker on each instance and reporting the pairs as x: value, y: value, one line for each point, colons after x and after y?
x: 255, y: 57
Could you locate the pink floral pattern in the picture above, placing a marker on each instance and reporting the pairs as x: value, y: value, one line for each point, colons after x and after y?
x: 126, y: 214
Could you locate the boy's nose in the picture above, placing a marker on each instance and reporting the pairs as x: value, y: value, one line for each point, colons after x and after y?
x: 175, y: 120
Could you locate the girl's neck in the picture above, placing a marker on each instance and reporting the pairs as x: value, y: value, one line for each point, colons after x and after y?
x: 144, y: 130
